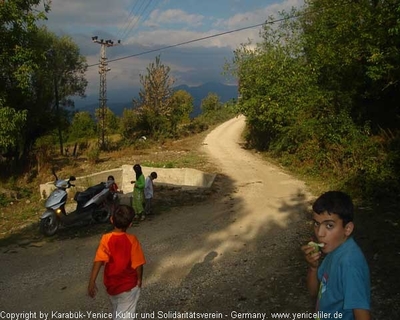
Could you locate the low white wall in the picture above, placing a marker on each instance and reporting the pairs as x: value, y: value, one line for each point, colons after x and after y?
x: 184, y: 177
x: 82, y: 183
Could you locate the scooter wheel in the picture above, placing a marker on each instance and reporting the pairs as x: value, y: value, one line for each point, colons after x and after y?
x: 101, y: 215
x: 49, y: 226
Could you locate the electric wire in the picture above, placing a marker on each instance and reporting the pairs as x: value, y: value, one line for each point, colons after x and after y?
x: 140, y: 17
x: 127, y: 23
x: 196, y: 40
x: 134, y: 21
x: 133, y: 16
x: 148, y: 13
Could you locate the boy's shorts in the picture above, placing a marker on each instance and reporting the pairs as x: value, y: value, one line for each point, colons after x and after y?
x: 124, y: 304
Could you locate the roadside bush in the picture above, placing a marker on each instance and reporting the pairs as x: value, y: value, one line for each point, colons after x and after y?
x: 93, y: 155
x: 197, y: 125
x: 3, y: 200
x: 44, y: 151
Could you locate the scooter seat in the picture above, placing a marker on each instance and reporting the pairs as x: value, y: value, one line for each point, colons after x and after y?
x: 84, y: 196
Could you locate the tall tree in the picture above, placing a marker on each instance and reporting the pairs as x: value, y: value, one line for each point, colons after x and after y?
x: 17, y: 63
x: 40, y: 72
x: 155, y: 97
x: 64, y: 76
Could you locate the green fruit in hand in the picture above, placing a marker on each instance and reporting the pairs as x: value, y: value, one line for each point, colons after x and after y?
x: 316, y: 246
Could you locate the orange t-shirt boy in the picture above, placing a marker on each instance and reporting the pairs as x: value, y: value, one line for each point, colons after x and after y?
x: 122, y: 256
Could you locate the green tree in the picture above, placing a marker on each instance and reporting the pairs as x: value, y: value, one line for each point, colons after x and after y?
x: 39, y: 72
x: 12, y: 122
x: 17, y: 25
x: 181, y: 106
x: 355, y: 48
x: 82, y: 126
x: 17, y: 63
x: 155, y: 97
x: 211, y: 103
x: 130, y: 124
x: 64, y: 77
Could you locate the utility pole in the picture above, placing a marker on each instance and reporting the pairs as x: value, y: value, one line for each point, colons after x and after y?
x: 103, y: 69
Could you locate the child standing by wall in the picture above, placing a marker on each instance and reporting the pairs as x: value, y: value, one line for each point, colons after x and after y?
x: 112, y: 185
x: 149, y: 192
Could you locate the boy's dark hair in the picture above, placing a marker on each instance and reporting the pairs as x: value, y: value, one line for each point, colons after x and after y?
x: 153, y: 175
x: 335, y: 202
x: 123, y: 216
x: 110, y: 178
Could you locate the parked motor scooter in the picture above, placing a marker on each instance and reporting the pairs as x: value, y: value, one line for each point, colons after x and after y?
x: 95, y: 203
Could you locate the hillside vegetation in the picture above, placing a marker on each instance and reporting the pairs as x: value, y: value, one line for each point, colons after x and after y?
x: 321, y: 91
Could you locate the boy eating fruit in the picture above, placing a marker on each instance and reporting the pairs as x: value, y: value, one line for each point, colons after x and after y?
x: 341, y: 282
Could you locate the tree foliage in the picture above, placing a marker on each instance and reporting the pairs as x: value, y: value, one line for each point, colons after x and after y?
x: 39, y: 72
x: 82, y: 126
x: 181, y: 106
x: 17, y: 24
x: 319, y: 90
x: 130, y: 124
x: 159, y: 110
x: 155, y: 97
x: 210, y: 103
x: 61, y: 76
x: 11, y: 123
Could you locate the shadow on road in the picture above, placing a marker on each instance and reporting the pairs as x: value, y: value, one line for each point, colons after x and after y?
x: 259, y: 269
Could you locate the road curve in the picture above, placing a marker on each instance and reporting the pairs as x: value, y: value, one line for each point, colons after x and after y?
x: 238, y: 251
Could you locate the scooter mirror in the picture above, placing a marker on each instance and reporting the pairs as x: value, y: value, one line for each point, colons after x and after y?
x: 72, y: 178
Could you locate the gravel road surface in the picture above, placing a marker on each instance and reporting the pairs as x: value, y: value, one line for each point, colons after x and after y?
x: 234, y: 255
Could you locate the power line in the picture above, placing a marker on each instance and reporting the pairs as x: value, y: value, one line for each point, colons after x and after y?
x: 129, y: 19
x: 139, y: 17
x: 122, y: 29
x: 133, y: 20
x: 196, y: 40
x: 148, y: 13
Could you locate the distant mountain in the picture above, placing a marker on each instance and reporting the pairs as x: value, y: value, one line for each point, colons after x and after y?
x: 117, y: 101
x: 224, y: 92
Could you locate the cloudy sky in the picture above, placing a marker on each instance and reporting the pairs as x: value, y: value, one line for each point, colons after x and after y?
x: 145, y: 25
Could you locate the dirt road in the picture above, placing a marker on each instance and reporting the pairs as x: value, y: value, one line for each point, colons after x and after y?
x: 236, y: 252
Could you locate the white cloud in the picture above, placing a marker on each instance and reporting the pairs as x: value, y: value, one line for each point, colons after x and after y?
x: 164, y: 38
x: 257, y: 16
x: 173, y: 16
x: 95, y: 13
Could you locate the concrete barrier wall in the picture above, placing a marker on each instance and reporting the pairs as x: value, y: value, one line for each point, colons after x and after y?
x: 184, y: 177
x: 82, y: 183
